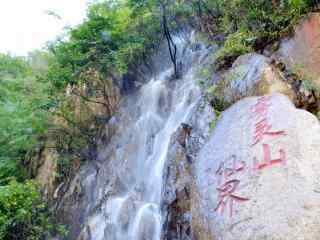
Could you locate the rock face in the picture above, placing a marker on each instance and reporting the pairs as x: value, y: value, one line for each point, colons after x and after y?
x: 259, y: 174
x: 302, y: 52
x: 88, y: 112
x: 47, y: 170
x: 299, y: 59
x: 179, y: 180
x: 119, y: 194
x: 162, y: 173
x: 253, y: 75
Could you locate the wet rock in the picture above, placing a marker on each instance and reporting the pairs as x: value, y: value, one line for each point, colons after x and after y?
x: 117, y: 195
x: 177, y: 188
x: 253, y: 75
x: 74, y: 204
x: 184, y: 133
x: 196, y: 47
x: 258, y: 177
x: 302, y: 52
x: 179, y: 174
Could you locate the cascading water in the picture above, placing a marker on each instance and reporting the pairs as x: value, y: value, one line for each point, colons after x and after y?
x: 137, y: 155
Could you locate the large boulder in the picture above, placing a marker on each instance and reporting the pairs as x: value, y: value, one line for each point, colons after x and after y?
x: 302, y: 51
x: 258, y: 176
x: 252, y: 75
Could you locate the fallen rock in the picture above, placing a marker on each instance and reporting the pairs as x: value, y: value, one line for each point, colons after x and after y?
x: 258, y: 176
x: 253, y: 75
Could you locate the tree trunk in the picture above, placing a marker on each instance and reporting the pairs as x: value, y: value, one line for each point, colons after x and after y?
x: 171, y: 45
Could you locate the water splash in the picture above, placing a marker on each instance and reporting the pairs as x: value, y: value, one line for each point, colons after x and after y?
x: 139, y: 154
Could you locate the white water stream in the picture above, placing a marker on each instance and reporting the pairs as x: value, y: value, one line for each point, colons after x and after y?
x: 163, y: 105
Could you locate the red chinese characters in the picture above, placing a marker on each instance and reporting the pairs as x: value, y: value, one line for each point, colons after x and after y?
x: 229, y: 174
x: 267, y: 158
x: 228, y: 184
x: 262, y: 129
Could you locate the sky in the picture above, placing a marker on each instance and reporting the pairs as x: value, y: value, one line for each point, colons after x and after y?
x: 25, y: 24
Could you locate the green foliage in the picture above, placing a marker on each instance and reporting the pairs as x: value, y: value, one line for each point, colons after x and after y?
x: 253, y: 24
x: 115, y: 35
x: 262, y: 17
x: 25, y: 100
x: 13, y: 66
x: 23, y: 118
x: 204, y: 72
x: 216, y: 98
x: 217, y: 102
x: 22, y: 213
x: 213, y: 123
x: 236, y: 44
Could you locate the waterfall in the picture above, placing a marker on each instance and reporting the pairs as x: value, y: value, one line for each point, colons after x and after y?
x: 131, y: 208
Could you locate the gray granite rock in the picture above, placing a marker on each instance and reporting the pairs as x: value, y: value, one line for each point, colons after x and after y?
x: 253, y: 75
x: 258, y: 177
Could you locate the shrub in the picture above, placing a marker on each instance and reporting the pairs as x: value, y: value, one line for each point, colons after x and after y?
x: 236, y: 44
x: 253, y: 24
x: 23, y: 215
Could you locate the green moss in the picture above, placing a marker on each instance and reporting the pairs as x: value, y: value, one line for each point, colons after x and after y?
x: 212, y: 90
x: 310, y: 85
x: 213, y: 123
x: 204, y: 72
x: 236, y: 73
x: 201, y: 83
x: 215, y: 94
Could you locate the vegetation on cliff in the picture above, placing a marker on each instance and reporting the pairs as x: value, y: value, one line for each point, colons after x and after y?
x: 24, y: 101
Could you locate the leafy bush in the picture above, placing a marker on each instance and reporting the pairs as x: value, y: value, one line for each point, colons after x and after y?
x: 253, y: 24
x: 23, y: 115
x: 236, y: 44
x: 23, y: 214
x: 113, y: 36
x: 13, y: 66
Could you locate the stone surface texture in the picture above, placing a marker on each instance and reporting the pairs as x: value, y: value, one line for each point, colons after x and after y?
x: 253, y: 75
x: 302, y: 51
x: 258, y: 176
